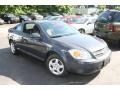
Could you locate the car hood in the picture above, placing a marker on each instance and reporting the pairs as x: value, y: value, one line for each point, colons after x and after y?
x: 80, y: 40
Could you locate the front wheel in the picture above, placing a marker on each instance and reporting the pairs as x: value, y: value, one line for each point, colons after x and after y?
x: 22, y: 21
x: 9, y: 22
x: 13, y: 48
x: 56, y: 65
x: 82, y: 31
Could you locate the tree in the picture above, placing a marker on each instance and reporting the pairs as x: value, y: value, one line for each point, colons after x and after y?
x: 23, y: 9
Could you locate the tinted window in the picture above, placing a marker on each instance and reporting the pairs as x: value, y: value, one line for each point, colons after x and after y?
x: 105, y: 17
x: 18, y: 27
x: 31, y: 28
x: 35, y: 29
x: 28, y: 27
x: 117, y: 17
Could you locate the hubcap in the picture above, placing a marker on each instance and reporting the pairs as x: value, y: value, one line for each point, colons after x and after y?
x: 12, y: 48
x: 81, y: 31
x: 9, y: 22
x: 56, y: 66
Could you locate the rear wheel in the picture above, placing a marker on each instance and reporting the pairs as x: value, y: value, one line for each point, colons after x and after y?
x: 13, y: 48
x: 82, y: 31
x: 9, y: 22
x: 22, y: 21
x: 56, y: 65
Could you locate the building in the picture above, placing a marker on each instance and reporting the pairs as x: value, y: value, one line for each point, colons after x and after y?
x: 85, y: 9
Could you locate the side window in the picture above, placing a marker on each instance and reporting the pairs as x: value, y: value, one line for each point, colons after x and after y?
x: 31, y: 28
x: 28, y: 27
x: 105, y: 17
x: 18, y: 28
x: 116, y: 17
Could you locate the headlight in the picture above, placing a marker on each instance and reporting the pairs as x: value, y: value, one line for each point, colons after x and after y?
x: 80, y: 54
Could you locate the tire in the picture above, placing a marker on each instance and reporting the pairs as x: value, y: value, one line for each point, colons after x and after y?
x: 22, y: 21
x: 13, y: 48
x: 56, y: 65
x: 82, y: 31
x: 9, y: 22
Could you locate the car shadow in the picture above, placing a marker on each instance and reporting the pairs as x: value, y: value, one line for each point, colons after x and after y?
x: 26, y: 70
x: 114, y: 46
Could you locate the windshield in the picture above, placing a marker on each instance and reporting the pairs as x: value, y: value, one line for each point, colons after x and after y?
x: 39, y: 17
x: 25, y: 16
x: 56, y: 18
x: 80, y: 20
x: 56, y: 29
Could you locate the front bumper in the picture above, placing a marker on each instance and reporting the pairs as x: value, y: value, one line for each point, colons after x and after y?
x: 87, y: 66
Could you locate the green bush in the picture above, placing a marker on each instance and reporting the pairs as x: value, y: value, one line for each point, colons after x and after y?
x: 23, y: 9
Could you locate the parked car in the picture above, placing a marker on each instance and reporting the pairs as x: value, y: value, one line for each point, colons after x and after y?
x: 53, y: 18
x: 61, y: 46
x: 35, y: 16
x: 84, y: 24
x: 23, y: 18
x: 107, y: 26
x: 10, y: 18
x: 68, y: 18
x: 1, y: 21
x: 55, y: 14
x: 45, y: 14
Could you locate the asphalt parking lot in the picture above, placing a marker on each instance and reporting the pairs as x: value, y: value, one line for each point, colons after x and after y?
x: 25, y: 70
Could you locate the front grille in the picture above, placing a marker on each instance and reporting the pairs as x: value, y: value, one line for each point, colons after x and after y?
x: 100, y: 53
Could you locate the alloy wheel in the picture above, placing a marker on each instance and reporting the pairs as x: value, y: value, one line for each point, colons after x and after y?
x: 56, y: 66
x: 12, y: 47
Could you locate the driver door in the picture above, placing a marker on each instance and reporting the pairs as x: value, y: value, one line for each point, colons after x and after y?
x: 34, y: 43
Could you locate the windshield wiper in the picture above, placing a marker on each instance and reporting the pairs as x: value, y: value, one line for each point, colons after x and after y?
x: 62, y: 35
x: 56, y: 36
x: 69, y: 34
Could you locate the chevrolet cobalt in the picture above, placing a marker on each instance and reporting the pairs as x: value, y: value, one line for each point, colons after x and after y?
x: 61, y: 46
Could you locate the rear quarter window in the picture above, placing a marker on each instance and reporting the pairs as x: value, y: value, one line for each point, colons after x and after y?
x: 116, y: 17
x: 18, y: 28
x: 105, y: 17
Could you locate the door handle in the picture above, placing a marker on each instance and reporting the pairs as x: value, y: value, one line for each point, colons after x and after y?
x: 24, y: 39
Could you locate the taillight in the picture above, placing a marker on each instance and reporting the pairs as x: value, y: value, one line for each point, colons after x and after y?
x: 111, y: 27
